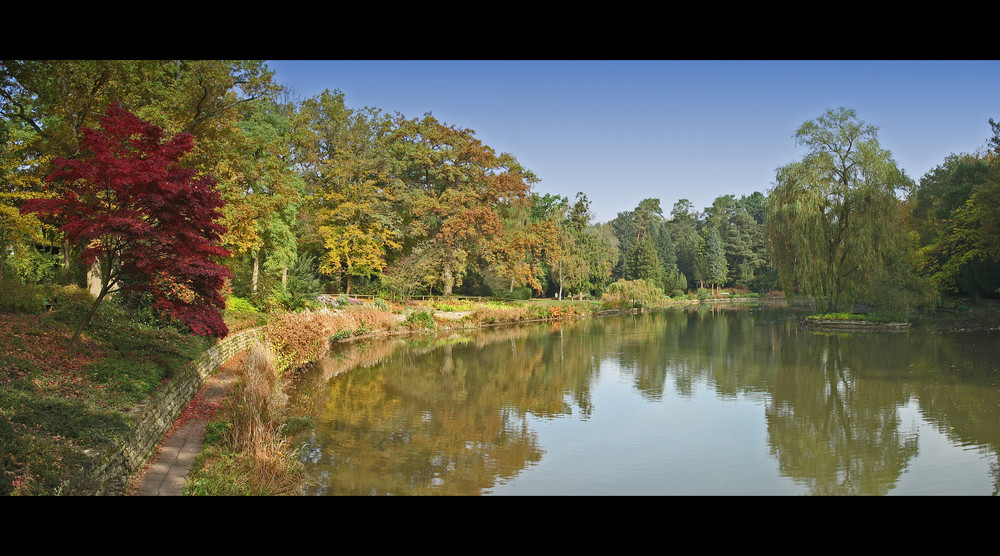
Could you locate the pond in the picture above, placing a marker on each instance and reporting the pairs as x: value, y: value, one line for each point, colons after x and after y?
x: 715, y: 400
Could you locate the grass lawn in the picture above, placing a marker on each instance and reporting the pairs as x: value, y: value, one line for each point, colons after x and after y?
x: 57, y: 401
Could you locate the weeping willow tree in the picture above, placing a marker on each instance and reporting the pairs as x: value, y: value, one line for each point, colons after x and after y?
x: 835, y: 224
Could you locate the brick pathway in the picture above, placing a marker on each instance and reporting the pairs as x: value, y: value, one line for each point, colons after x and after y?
x: 168, y: 471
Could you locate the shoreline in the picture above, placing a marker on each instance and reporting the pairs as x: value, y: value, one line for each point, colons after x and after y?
x: 446, y: 320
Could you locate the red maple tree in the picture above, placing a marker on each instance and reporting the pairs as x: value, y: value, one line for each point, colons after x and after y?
x: 130, y: 205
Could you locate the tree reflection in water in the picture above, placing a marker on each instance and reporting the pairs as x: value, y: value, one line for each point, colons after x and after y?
x: 453, y: 414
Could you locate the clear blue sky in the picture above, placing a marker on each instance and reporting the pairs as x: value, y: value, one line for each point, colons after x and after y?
x: 621, y: 131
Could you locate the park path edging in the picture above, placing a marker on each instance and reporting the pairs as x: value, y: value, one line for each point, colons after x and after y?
x: 110, y: 474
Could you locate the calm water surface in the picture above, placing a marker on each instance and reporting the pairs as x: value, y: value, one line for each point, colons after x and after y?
x: 737, y: 400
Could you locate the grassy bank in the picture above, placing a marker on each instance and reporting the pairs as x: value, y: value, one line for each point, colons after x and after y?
x: 57, y: 402
x: 246, y: 449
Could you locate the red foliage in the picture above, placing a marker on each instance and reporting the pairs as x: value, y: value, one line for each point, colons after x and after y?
x: 131, y: 202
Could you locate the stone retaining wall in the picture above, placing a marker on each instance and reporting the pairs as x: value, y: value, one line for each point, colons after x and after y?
x: 111, y: 473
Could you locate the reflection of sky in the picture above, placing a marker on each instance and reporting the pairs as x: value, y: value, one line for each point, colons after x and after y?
x: 692, y: 445
x: 940, y: 467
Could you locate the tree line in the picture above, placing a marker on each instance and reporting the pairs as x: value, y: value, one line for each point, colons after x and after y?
x: 316, y: 195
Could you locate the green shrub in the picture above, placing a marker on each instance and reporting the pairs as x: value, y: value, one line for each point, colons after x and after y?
x: 290, y: 301
x: 16, y: 297
x: 833, y: 316
x: 541, y: 312
x: 30, y: 266
x: 240, y: 305
x: 702, y: 294
x: 637, y: 293
x: 419, y: 319
x: 240, y: 314
x: 520, y: 294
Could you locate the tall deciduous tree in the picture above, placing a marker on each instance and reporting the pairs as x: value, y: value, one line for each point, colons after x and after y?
x: 967, y: 257
x: 353, y: 200
x: 957, y: 220
x: 601, y: 253
x: 130, y: 205
x: 19, y: 233
x: 261, y: 190
x: 834, y: 221
x: 523, y: 247
x: 453, y: 184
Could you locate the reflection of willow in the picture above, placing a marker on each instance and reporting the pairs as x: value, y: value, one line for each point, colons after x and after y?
x: 449, y: 417
x: 829, y: 427
x: 832, y: 422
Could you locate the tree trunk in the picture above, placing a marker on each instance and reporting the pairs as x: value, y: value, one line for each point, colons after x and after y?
x: 448, y: 280
x: 560, y: 279
x: 348, y: 292
x: 284, y: 279
x: 90, y: 314
x: 256, y: 267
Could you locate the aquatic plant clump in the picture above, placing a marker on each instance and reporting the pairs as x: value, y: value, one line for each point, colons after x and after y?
x: 858, y: 317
